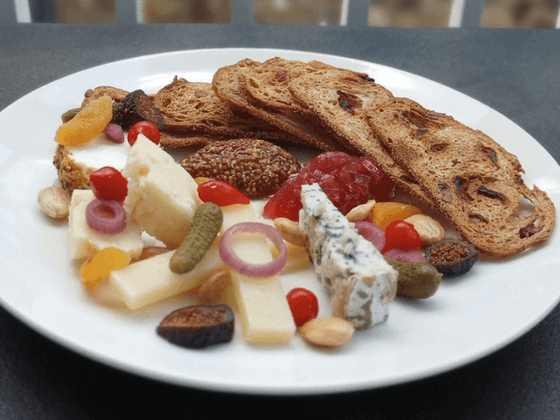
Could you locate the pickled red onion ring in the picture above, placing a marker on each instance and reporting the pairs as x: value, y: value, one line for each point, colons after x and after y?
x: 106, y: 216
x: 371, y: 232
x: 230, y: 258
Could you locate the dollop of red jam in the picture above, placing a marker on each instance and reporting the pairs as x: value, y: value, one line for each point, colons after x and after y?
x: 347, y: 180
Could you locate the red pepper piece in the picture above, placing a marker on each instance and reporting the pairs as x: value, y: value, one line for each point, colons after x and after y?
x: 401, y: 235
x: 108, y: 183
x: 143, y: 127
x: 304, y: 305
x: 221, y: 193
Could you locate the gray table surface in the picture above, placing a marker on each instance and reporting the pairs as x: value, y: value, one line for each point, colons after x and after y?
x: 515, y: 72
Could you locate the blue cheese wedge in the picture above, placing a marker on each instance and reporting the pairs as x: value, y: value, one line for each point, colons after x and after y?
x: 361, y: 284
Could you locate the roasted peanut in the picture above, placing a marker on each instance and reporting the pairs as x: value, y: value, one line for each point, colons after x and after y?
x: 290, y: 231
x: 327, y: 332
x: 430, y: 230
x: 361, y: 212
x: 214, y: 286
x: 54, y: 201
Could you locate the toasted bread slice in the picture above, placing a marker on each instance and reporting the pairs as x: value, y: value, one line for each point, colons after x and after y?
x: 341, y: 101
x: 470, y: 177
x: 175, y: 139
x: 194, y: 108
x: 229, y: 85
x: 267, y: 83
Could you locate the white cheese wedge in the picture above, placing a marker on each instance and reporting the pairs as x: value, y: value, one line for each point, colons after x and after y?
x: 149, y: 281
x: 359, y: 280
x: 261, y: 302
x: 162, y: 195
x: 83, y: 241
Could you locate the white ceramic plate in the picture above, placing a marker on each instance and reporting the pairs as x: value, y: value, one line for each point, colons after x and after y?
x: 467, y: 319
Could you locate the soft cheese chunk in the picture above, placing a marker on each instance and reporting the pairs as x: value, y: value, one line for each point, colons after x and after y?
x: 84, y: 241
x: 359, y: 280
x: 162, y: 196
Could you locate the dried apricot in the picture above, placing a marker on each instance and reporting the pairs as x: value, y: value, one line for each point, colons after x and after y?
x: 386, y: 212
x: 87, y: 123
x: 99, y: 267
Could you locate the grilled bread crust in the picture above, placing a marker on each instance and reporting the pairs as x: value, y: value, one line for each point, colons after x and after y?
x: 229, y: 85
x: 267, y: 84
x: 470, y: 178
x: 194, y: 110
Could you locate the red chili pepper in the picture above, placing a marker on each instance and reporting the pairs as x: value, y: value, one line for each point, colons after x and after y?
x: 221, y: 193
x: 143, y: 127
x: 304, y: 305
x: 401, y: 235
x: 108, y: 183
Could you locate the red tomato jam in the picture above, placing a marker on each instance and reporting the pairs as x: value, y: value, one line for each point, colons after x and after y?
x: 348, y: 181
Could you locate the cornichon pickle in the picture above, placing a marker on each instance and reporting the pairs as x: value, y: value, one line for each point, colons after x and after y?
x: 206, y: 225
x: 416, y: 280
x: 198, y: 326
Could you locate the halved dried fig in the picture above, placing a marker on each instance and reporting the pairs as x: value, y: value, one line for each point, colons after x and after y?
x: 198, y: 326
x: 137, y: 106
x: 452, y: 257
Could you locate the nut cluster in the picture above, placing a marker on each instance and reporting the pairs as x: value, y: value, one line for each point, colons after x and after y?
x: 255, y: 167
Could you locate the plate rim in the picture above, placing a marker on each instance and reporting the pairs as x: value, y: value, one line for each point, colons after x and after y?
x: 258, y: 388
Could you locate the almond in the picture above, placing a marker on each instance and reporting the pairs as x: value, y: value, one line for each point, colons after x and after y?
x: 328, y: 331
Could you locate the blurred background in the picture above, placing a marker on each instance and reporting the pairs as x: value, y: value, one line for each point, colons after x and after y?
x: 524, y: 14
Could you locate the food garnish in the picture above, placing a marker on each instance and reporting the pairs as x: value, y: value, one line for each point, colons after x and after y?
x: 429, y: 229
x: 388, y: 211
x: 372, y: 233
x: 54, y: 201
x: 401, y: 235
x: 114, y: 133
x: 198, y: 326
x: 137, y: 106
x: 327, y: 331
x: 416, y: 280
x: 348, y: 181
x: 146, y: 128
x: 108, y: 183
x: 303, y: 304
x: 87, y: 124
x: 222, y: 193
x: 97, y: 268
x: 106, y: 216
x: 206, y: 225
x: 452, y: 257
x: 257, y: 168
x: 227, y: 252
